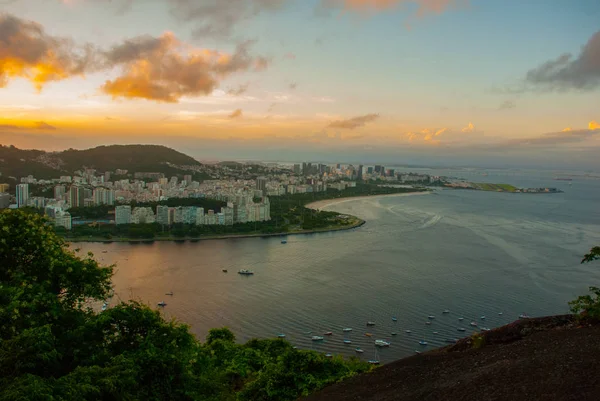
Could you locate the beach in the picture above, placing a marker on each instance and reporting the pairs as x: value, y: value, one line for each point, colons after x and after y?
x: 319, y: 205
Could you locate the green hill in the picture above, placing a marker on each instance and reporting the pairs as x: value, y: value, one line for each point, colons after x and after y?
x: 134, y: 158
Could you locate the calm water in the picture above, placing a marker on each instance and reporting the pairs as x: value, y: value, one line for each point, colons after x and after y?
x: 473, y: 253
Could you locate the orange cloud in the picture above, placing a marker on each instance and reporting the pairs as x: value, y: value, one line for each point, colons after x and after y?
x: 469, y: 128
x: 568, y: 129
x: 355, y: 122
x: 164, y: 69
x: 593, y: 125
x: 424, y: 6
x: 236, y: 114
x: 27, y: 51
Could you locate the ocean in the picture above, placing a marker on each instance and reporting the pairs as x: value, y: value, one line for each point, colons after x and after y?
x: 471, y: 252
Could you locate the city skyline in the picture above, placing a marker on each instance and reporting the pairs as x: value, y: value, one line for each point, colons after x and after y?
x: 428, y: 82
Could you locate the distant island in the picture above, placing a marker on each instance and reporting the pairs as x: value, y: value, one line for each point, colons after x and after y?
x: 484, y: 186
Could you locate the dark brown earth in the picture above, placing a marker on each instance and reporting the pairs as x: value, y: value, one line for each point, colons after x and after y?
x: 545, y: 359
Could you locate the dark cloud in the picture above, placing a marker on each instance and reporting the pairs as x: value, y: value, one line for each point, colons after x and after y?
x: 507, y: 105
x: 236, y: 114
x: 552, y: 139
x: 41, y: 125
x: 155, y: 69
x: 240, y: 90
x: 27, y: 51
x: 569, y: 73
x: 355, y: 122
x: 218, y: 18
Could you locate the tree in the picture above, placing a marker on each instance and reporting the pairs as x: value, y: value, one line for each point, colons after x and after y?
x: 587, y: 306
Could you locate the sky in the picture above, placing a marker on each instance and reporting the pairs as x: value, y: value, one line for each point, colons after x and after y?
x: 499, y: 83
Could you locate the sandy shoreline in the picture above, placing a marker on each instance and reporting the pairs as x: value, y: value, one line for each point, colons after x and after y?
x: 319, y: 205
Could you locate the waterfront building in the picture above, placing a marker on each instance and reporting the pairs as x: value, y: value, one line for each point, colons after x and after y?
x: 59, y: 192
x: 22, y: 192
x: 63, y: 219
x: 123, y: 214
x: 162, y: 215
x: 200, y: 216
x: 104, y: 196
x: 76, y: 196
x: 189, y: 214
x: 142, y: 215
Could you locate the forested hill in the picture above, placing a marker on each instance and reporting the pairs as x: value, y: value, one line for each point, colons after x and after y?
x: 135, y: 158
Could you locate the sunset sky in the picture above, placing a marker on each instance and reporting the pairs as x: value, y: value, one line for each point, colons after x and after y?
x: 471, y: 82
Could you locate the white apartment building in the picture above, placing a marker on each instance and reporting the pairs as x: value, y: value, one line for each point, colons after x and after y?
x: 123, y: 214
x: 22, y: 194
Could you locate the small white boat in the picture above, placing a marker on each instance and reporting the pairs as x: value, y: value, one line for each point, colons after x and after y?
x: 417, y: 351
x: 162, y: 303
x: 328, y: 355
x: 246, y: 272
x: 169, y: 293
x: 294, y: 347
x: 452, y: 340
x: 427, y: 323
x: 446, y: 311
x: 460, y: 319
x: 317, y: 338
x: 394, y: 333
x: 482, y: 317
x: 347, y: 342
x: 485, y: 329
x: 473, y: 324
x: 347, y: 329
x: 373, y: 362
x: 461, y: 329
x: 430, y: 317
x: 394, y: 319
x: 381, y: 343
x: 370, y: 323
x: 435, y: 332
x: 407, y: 331
x: 423, y: 342
x: 281, y: 335
x: 329, y: 333
x: 284, y: 241
x: 358, y: 350
x: 523, y: 316
x: 500, y: 313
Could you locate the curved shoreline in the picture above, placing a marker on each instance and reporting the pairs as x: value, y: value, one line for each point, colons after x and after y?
x: 321, y: 204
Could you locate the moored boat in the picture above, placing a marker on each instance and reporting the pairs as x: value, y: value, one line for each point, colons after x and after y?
x: 317, y: 338
x: 246, y: 272
x: 162, y: 303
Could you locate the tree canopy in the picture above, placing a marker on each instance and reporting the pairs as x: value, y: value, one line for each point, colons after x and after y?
x: 54, y: 346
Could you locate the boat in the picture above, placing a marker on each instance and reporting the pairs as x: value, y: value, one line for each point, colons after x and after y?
x: 473, y: 324
x: 485, y: 329
x: 523, y: 316
x: 435, y: 332
x: 427, y: 322
x: 375, y: 360
x: 500, y: 313
x: 446, y: 311
x: 460, y: 319
x: 104, y: 306
x: 347, y: 342
x: 407, y: 331
x: 317, y: 338
x: 328, y: 355
x: 104, y: 251
x: 294, y: 347
x: 368, y: 334
x: 461, y: 329
x: 246, y: 272
x: 482, y: 317
x: 281, y: 335
x: 224, y: 270
x: 347, y: 329
x: 394, y: 319
x: 284, y: 241
x: 417, y: 351
x: 329, y: 333
x: 394, y: 333
x: 430, y: 317
x: 169, y: 293
x: 382, y: 343
x: 162, y: 303
x: 358, y: 350
x: 370, y: 323
x: 423, y: 342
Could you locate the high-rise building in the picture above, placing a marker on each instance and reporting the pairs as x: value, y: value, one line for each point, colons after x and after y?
x: 379, y: 169
x: 173, y: 182
x: 22, y: 195
x: 200, y: 216
x: 163, y: 182
x: 162, y: 215
x: 104, y: 196
x: 369, y: 170
x: 76, y: 196
x: 63, y: 219
x: 304, y: 168
x: 59, y: 192
x: 188, y: 178
x: 123, y: 214
x: 107, y: 176
x: 4, y: 200
x: 359, y: 175
x: 297, y: 169
x: 4, y: 187
x: 142, y: 215
x: 261, y: 184
x: 189, y: 214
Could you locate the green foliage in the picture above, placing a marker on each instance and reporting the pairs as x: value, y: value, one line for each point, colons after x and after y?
x: 477, y: 340
x: 588, y: 306
x: 53, y: 346
x: 91, y: 212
